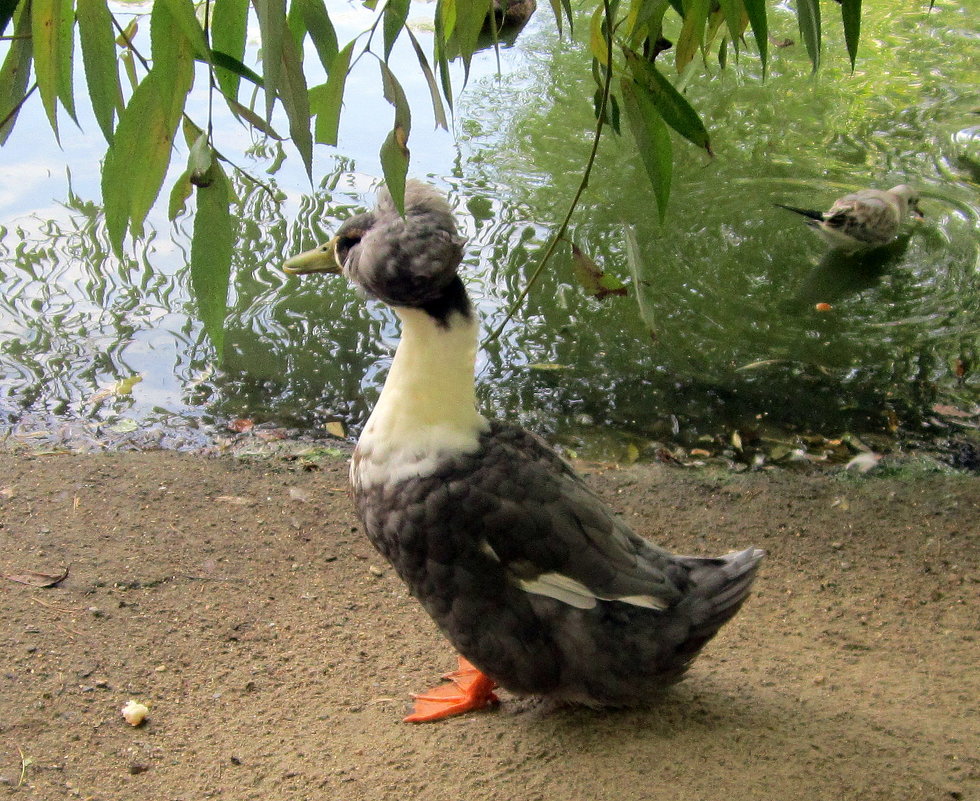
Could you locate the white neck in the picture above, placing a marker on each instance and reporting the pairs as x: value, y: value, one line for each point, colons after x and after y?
x: 427, y: 409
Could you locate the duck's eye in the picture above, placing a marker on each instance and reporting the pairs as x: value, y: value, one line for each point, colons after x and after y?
x: 345, y: 243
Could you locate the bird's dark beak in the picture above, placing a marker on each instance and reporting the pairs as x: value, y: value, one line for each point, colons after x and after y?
x: 322, y: 259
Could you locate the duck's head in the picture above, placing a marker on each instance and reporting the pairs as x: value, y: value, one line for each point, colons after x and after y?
x: 910, y: 196
x: 408, y: 261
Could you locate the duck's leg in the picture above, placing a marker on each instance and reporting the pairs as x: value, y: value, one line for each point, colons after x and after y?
x: 466, y: 690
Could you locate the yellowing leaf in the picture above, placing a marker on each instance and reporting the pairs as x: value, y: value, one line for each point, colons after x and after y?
x: 595, y: 282
x: 335, y: 429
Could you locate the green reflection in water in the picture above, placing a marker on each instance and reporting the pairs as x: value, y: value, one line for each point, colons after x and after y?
x: 732, y: 279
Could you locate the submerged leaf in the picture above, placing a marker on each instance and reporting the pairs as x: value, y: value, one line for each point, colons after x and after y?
x: 641, y: 282
x: 595, y: 282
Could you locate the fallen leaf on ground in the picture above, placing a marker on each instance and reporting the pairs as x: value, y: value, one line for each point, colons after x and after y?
x: 234, y: 500
x: 241, y: 425
x: 34, y: 579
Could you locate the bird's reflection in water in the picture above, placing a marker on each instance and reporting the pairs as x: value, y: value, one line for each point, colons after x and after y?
x: 841, y: 274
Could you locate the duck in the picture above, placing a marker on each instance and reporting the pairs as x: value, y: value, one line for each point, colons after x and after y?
x: 541, y: 589
x: 865, y: 219
x: 509, y: 14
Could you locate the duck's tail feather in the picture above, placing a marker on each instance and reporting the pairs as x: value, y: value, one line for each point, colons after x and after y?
x: 811, y: 213
x: 720, y: 586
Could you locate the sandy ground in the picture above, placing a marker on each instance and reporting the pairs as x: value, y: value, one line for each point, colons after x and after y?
x: 276, y: 651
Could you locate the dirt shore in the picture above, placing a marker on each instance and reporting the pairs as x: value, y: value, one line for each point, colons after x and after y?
x: 276, y: 650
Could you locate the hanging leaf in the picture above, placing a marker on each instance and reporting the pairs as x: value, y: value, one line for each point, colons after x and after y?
x: 652, y: 139
x: 235, y: 67
x: 851, y: 13
x: 15, y: 71
x: 53, y: 34
x: 180, y: 193
x: 732, y: 9
x: 671, y: 104
x: 272, y: 27
x: 808, y: 15
x: 296, y: 101
x: 229, y: 23
x: 327, y: 99
x: 394, y: 151
x: 596, y: 283
x: 470, y: 17
x: 692, y: 32
x: 438, y: 110
x: 184, y: 16
x: 99, y: 57
x: 137, y: 159
x: 321, y: 30
x: 253, y: 119
x: 756, y: 10
x: 211, y: 252
x: 395, y: 14
x: 642, y: 282
x: 598, y: 45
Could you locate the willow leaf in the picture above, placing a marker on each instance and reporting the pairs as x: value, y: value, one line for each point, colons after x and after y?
x: 233, y: 65
x: 556, y: 9
x: 438, y: 110
x: 321, y: 30
x: 732, y: 9
x: 327, y: 103
x: 272, y: 27
x: 643, y: 282
x: 180, y: 193
x: 394, y: 151
x: 395, y: 14
x: 652, y: 139
x: 99, y: 56
x: 445, y: 20
x: 670, y: 104
x: 15, y: 71
x: 692, y: 32
x: 257, y: 121
x: 296, y: 100
x: 212, y: 246
x: 808, y: 15
x: 851, y: 13
x: 470, y: 17
x: 394, y: 164
x: 137, y: 159
x: 183, y: 15
x: 229, y: 21
x: 756, y: 11
x: 52, y: 29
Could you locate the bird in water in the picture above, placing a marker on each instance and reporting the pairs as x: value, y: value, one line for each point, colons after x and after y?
x: 539, y: 586
x: 868, y: 218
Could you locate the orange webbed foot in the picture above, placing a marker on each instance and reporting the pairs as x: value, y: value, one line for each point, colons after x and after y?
x: 466, y: 690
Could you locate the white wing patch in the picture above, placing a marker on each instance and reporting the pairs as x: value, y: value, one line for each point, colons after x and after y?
x: 575, y: 593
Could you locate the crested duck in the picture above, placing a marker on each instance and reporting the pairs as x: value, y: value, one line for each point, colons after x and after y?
x: 539, y: 586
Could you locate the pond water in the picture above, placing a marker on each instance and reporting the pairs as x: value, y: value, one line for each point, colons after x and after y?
x: 732, y: 281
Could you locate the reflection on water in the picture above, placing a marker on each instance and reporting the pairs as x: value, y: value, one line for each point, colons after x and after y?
x: 738, y: 342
